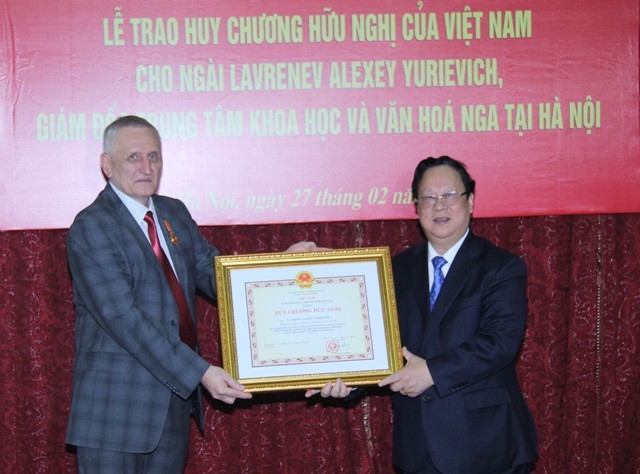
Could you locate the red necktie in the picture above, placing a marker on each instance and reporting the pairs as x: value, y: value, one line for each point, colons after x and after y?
x: 187, y: 329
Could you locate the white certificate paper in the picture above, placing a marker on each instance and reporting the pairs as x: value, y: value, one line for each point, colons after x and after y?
x: 294, y: 324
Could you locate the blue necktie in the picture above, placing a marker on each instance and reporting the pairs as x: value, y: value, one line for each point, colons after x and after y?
x: 438, y: 278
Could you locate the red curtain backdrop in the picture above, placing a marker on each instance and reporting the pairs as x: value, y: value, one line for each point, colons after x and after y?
x: 579, y: 365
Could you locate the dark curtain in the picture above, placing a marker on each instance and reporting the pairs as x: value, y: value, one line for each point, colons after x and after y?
x: 579, y: 365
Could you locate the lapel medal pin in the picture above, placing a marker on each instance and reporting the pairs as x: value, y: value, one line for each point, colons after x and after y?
x: 174, y: 239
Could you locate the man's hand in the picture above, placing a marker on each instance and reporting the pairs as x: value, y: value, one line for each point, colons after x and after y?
x: 337, y: 389
x: 222, y: 386
x: 413, y: 379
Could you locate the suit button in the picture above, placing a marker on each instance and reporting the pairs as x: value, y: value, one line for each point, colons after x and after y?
x: 173, y: 323
x: 426, y: 398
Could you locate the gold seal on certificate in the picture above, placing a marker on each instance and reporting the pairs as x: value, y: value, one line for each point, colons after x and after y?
x: 299, y: 320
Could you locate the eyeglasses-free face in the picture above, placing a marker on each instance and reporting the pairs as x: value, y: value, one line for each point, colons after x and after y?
x: 135, y: 164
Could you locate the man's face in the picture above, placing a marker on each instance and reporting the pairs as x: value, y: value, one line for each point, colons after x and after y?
x: 443, y: 224
x: 135, y: 164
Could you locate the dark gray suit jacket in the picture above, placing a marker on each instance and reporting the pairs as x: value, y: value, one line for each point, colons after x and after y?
x: 474, y: 419
x: 129, y: 359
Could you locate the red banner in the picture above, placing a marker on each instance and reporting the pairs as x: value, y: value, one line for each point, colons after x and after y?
x: 299, y: 111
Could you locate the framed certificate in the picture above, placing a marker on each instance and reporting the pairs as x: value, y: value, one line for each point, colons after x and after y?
x: 300, y: 320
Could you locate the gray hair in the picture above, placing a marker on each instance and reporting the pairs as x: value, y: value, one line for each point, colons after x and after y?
x: 125, y: 121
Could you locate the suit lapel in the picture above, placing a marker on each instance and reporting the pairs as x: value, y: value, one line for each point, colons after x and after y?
x: 460, y: 271
x: 129, y: 225
x: 420, y: 278
x: 177, y: 257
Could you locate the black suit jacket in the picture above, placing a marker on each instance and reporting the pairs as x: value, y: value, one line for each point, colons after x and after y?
x: 474, y: 419
x: 129, y: 359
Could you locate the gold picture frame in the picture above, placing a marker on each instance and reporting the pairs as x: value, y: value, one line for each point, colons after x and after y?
x: 297, y: 320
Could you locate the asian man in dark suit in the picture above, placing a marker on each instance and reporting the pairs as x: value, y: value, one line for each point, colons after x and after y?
x: 137, y: 372
x: 457, y: 405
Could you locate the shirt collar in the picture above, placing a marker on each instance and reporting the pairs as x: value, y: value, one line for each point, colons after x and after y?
x: 450, y: 254
x: 137, y: 210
